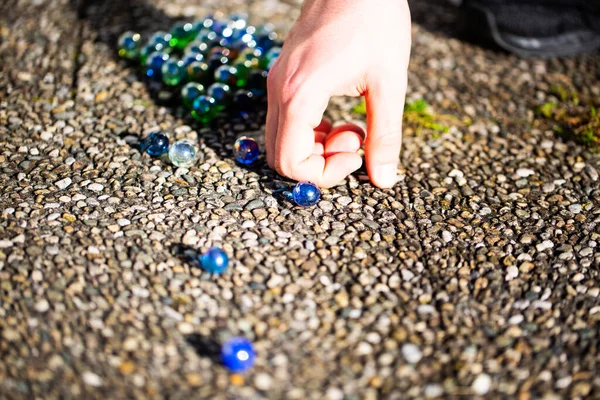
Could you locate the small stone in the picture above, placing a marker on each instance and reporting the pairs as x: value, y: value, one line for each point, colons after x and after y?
x: 42, y: 306
x: 575, y: 208
x: 90, y: 378
x: 433, y: 390
x: 482, y: 384
x: 262, y: 381
x: 63, y: 183
x: 447, y: 236
x: 96, y: 187
x: 511, y: 273
x: 546, y: 244
x: 525, y: 172
x: 411, y: 353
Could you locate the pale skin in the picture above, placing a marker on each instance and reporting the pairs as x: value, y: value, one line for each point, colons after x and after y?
x: 339, y: 48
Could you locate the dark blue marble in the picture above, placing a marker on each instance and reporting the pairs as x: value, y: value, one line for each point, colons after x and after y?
x: 238, y: 354
x: 226, y: 74
x: 257, y: 82
x: 246, y: 150
x: 154, y: 64
x: 221, y: 93
x: 244, y: 100
x: 214, y: 260
x: 156, y: 144
x: 306, y: 194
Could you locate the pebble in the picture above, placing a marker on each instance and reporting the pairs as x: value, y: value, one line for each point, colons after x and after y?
x: 546, y: 244
x: 482, y: 384
x: 575, y: 208
x: 42, y: 306
x: 525, y: 172
x: 411, y: 353
x: 96, y: 187
x: 91, y: 379
x: 63, y: 183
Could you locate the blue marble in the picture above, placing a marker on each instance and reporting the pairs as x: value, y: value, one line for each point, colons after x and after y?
x: 190, y: 92
x: 270, y: 57
x: 156, y: 144
x: 238, y: 354
x: 160, y: 38
x: 198, y: 71
x: 197, y: 47
x: 154, y: 64
x: 244, y: 100
x: 306, y: 194
x: 214, y: 260
x: 190, y: 57
x: 173, y: 72
x: 226, y: 74
x: 204, y: 109
x: 221, y: 93
x: 257, y: 82
x: 246, y: 150
x: 182, y: 154
x: 129, y: 45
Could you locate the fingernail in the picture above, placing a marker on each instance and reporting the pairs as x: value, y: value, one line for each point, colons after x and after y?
x: 385, y: 175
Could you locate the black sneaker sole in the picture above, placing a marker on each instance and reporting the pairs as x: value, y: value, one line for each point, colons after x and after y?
x: 560, y: 45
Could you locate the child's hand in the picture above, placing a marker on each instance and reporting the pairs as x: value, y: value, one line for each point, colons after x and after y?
x: 339, y: 47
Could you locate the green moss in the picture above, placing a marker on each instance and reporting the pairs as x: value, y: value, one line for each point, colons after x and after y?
x: 416, y: 114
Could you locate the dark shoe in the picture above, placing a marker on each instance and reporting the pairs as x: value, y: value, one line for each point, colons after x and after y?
x: 538, y: 28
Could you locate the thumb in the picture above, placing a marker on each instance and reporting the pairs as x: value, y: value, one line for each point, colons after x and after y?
x: 385, y: 104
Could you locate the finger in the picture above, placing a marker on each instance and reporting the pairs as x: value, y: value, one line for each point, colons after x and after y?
x: 327, y: 172
x: 385, y: 103
x: 272, y: 119
x: 345, y: 138
x: 324, y: 126
x: 298, y: 118
x: 319, y: 148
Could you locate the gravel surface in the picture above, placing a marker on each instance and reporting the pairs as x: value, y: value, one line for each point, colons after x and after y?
x: 478, y: 274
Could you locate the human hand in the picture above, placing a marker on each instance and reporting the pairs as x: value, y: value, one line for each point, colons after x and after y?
x: 339, y: 47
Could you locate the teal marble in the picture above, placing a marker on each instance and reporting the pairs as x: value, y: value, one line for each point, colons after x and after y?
x: 130, y: 44
x: 173, y: 72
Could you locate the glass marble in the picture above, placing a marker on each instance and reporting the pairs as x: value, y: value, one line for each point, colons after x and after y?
x: 215, y: 61
x: 244, y: 100
x: 156, y: 144
x: 160, y: 38
x: 190, y: 57
x: 242, y: 73
x: 270, y: 57
x: 182, y: 154
x: 251, y: 57
x: 204, y: 109
x: 154, y: 64
x: 197, y: 47
x: 238, y: 354
x: 182, y: 34
x: 130, y: 44
x: 190, y: 92
x: 173, y: 72
x: 221, y: 93
x: 214, y: 260
x: 246, y: 150
x: 226, y: 74
x: 306, y: 194
x: 257, y: 82
x: 198, y: 71
x: 209, y: 38
x: 265, y: 40
x: 149, y: 49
